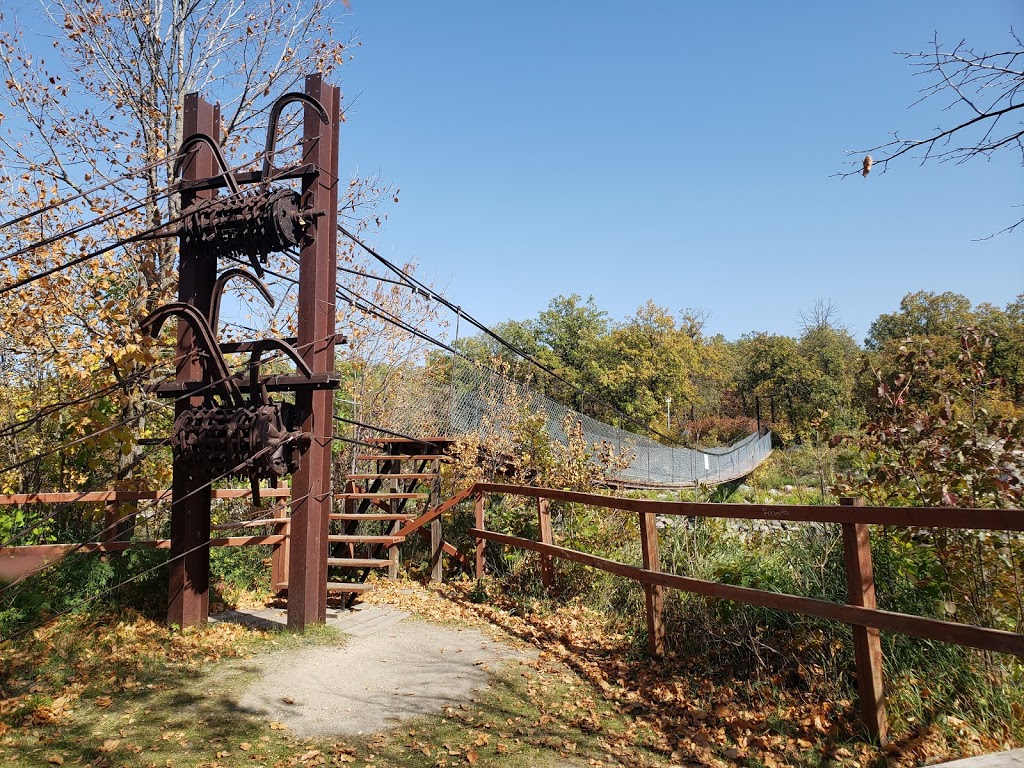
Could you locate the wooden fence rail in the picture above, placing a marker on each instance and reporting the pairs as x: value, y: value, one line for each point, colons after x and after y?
x: 859, y: 611
x: 18, y: 561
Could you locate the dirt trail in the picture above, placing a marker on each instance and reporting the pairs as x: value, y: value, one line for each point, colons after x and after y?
x: 387, y: 672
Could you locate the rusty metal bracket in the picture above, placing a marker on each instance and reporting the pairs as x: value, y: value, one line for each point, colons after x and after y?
x: 270, y: 171
x: 221, y: 284
x: 256, y: 360
x: 202, y: 138
x: 220, y: 378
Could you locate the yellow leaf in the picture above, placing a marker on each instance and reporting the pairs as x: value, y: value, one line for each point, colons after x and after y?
x: 55, y: 760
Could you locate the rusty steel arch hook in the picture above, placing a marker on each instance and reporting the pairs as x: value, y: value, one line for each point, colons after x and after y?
x: 221, y: 284
x: 275, y: 113
x: 256, y: 360
x: 202, y: 138
x: 221, y: 379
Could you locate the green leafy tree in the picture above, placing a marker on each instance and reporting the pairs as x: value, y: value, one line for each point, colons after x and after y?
x: 572, y: 334
x: 771, y: 366
x: 937, y: 317
x: 1006, y: 359
x: 652, y: 359
x: 932, y: 441
x: 937, y: 321
x: 831, y: 359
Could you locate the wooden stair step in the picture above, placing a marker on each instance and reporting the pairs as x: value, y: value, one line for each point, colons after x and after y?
x: 349, y: 586
x: 358, y: 562
x: 393, y: 476
x: 357, y: 539
x: 341, y: 586
x: 382, y: 495
x: 372, y: 516
x: 251, y: 523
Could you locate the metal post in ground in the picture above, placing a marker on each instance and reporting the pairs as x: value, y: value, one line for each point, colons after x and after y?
x: 318, y: 261
x: 188, y: 603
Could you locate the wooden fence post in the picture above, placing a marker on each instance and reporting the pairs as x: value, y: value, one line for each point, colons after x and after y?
x: 394, y: 486
x: 480, y: 543
x: 547, y: 569
x: 436, y: 550
x: 436, y: 529
x: 867, y: 646
x: 654, y: 594
x: 279, y: 554
x: 111, y: 514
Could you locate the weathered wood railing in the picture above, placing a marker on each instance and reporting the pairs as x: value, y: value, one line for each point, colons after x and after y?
x: 16, y: 561
x: 860, y: 610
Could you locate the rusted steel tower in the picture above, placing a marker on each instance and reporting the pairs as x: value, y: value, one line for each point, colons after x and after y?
x: 218, y: 431
x: 189, y: 592
x: 318, y: 271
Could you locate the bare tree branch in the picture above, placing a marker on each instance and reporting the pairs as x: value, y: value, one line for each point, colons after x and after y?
x: 983, y: 91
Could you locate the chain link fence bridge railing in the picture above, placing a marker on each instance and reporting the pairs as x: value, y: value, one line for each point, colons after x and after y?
x: 474, y: 399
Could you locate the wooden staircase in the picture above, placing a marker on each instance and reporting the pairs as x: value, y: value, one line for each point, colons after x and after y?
x: 391, y: 487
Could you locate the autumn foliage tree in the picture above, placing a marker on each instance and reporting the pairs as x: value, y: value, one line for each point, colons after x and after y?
x: 91, y: 107
x: 934, y: 440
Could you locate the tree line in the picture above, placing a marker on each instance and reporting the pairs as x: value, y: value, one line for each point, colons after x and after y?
x: 663, y: 370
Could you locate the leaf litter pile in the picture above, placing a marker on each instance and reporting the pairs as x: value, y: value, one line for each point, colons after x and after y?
x: 121, y: 690
x: 689, y: 715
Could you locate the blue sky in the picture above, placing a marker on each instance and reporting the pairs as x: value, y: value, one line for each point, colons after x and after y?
x: 674, y: 151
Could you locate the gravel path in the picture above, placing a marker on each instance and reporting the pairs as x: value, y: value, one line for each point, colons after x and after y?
x: 378, y: 679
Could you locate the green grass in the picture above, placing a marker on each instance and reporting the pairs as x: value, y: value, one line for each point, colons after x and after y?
x: 524, y: 719
x: 152, y: 712
x: 163, y: 712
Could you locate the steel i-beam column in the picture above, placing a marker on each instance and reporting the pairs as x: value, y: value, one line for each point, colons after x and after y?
x: 311, y: 485
x: 189, y: 595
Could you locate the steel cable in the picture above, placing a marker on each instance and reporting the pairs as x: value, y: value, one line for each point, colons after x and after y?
x: 430, y: 294
x: 84, y: 193
x: 120, y: 243
x: 244, y: 369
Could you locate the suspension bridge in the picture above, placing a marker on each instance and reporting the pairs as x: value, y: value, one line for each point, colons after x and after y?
x: 226, y: 421
x: 475, y: 400
x: 328, y: 531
